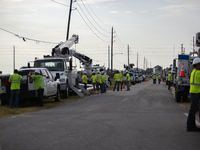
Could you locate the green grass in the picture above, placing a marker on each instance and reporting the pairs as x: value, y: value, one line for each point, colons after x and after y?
x: 29, y: 106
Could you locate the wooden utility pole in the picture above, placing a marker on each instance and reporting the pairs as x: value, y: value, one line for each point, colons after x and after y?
x: 128, y: 54
x: 108, y: 56
x: 70, y: 10
x: 13, y: 57
x: 112, y: 49
x: 137, y: 61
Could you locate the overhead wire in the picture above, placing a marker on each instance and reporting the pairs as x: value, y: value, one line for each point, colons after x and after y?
x: 90, y: 21
x: 84, y: 21
x: 96, y: 15
x: 93, y: 18
x: 25, y: 38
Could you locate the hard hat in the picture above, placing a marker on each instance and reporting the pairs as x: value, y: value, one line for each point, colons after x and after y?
x: 126, y: 71
x: 196, y: 61
x: 85, y: 72
x: 37, y: 71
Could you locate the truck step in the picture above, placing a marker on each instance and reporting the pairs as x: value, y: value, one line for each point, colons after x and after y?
x: 76, y: 90
x: 84, y: 90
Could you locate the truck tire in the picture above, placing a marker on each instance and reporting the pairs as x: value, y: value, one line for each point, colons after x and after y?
x: 3, y: 102
x: 66, y: 91
x: 57, y: 99
x: 178, y: 96
x: 185, y: 97
x: 109, y: 81
x: 133, y: 83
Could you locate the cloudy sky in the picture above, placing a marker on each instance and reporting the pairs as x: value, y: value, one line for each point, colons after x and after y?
x: 155, y: 29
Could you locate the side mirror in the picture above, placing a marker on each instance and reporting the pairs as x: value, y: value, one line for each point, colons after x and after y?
x: 57, y: 76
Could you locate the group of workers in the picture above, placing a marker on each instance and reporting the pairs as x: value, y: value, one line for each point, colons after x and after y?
x: 118, y: 77
x: 154, y: 78
x: 98, y: 81
x: 16, y: 80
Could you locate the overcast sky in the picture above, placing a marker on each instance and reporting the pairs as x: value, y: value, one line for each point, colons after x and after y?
x: 155, y: 29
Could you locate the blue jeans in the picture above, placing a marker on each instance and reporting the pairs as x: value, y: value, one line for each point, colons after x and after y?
x: 116, y: 83
x: 14, y: 93
x: 97, y: 85
x: 85, y: 85
x: 103, y: 88
x: 194, y: 98
x: 121, y: 84
x: 40, y: 97
x: 127, y: 84
x: 169, y: 85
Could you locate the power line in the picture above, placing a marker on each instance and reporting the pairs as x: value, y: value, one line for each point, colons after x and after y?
x: 97, y: 16
x: 90, y: 21
x: 85, y: 22
x: 93, y: 18
x: 90, y: 27
x: 25, y: 38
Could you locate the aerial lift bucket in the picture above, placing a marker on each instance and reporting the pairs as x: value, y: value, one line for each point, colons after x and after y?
x: 182, y: 73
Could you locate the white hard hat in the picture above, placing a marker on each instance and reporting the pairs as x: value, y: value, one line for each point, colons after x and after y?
x: 102, y: 71
x: 126, y: 70
x: 85, y: 72
x: 37, y: 71
x: 196, y: 61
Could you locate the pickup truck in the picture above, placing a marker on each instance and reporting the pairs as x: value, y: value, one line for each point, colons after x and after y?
x: 27, y: 90
x: 132, y: 78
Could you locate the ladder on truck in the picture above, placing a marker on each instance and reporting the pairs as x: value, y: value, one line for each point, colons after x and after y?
x: 76, y: 90
x: 84, y: 90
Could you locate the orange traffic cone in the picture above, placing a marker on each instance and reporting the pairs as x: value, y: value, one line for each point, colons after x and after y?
x: 123, y: 86
x: 182, y: 73
x: 129, y: 84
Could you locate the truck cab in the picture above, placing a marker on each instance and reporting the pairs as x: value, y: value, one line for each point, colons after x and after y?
x: 59, y: 65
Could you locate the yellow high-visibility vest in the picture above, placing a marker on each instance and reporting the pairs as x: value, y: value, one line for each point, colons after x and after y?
x: 195, y: 81
x: 84, y: 79
x: 15, y: 80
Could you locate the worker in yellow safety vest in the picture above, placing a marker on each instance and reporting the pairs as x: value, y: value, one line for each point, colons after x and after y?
x: 99, y: 81
x: 127, y: 80
x: 154, y: 78
x: 117, y: 80
x: 194, y: 96
x: 121, y: 79
x: 103, y: 82
x: 159, y: 78
x: 15, y: 81
x: 169, y: 79
x: 85, y: 79
x: 94, y: 78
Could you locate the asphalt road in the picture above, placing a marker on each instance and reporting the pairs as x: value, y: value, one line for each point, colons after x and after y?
x: 145, y: 118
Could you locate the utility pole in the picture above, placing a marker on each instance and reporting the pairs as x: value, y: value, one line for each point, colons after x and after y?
x: 70, y: 10
x: 128, y: 54
x: 112, y: 49
x: 193, y: 45
x: 13, y: 57
x: 181, y: 48
x: 144, y: 64
x: 108, y: 56
x: 137, y: 61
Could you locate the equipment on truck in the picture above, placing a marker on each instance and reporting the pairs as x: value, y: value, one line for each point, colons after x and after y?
x: 183, y: 81
x: 132, y: 74
x: 27, y: 90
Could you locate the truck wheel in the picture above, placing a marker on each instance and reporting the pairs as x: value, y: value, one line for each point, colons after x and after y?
x: 185, y: 97
x: 109, y: 82
x: 3, y: 102
x: 133, y: 83
x: 57, y: 99
x: 178, y: 96
x: 66, y: 92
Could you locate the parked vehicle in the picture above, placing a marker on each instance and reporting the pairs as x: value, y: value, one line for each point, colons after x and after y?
x: 27, y: 90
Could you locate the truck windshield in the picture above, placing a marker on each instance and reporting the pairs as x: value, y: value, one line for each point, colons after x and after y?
x: 51, y: 65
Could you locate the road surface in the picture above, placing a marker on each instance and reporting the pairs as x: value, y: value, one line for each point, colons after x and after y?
x: 147, y: 117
